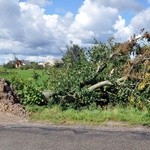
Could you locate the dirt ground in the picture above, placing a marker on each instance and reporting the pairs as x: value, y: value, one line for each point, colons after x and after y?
x: 11, y: 111
x: 7, y: 118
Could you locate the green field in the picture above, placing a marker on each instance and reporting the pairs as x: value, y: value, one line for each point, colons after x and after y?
x: 25, y: 75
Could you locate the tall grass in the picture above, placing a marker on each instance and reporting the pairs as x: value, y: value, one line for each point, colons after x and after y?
x: 55, y: 115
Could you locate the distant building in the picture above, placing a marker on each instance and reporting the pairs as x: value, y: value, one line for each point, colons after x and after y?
x: 26, y: 62
x: 18, y: 63
x: 41, y: 64
x: 53, y: 62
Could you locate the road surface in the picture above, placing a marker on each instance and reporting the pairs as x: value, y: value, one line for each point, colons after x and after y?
x: 34, y: 137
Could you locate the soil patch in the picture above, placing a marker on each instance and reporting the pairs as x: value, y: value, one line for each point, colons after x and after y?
x: 9, y: 101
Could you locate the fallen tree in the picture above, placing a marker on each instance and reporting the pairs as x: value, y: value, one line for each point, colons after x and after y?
x: 101, y: 78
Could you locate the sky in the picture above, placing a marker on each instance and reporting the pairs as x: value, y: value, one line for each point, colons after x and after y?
x: 39, y: 30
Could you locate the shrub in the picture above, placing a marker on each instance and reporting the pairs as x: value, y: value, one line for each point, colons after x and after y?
x: 9, y: 65
x: 29, y: 92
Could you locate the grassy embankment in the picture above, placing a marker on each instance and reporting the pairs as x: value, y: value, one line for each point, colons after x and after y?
x: 55, y: 115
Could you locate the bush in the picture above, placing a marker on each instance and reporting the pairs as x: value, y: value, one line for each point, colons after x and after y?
x: 70, y: 83
x: 29, y: 92
x: 33, y: 65
x: 9, y: 65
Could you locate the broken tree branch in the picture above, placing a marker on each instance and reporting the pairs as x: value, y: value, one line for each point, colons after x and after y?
x: 99, y: 84
x: 105, y: 83
x: 122, y: 80
x: 100, y: 68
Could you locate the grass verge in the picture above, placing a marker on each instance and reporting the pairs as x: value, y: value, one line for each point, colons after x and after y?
x: 130, y: 116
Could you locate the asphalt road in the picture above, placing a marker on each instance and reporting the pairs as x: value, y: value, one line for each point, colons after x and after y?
x: 13, y: 137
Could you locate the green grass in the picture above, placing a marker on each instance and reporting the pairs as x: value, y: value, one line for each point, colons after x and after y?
x: 55, y: 115
x: 24, y: 74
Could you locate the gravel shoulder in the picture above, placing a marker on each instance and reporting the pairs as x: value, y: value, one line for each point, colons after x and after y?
x: 7, y: 118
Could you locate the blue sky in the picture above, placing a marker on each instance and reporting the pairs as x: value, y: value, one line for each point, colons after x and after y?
x: 38, y: 29
x: 61, y: 7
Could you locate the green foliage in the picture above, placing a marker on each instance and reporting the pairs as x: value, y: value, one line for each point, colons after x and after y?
x: 9, y: 65
x: 74, y: 56
x: 33, y: 65
x: 29, y: 92
x: 140, y: 97
x: 66, y: 85
x: 32, y: 95
x: 99, y: 52
x: 70, y: 83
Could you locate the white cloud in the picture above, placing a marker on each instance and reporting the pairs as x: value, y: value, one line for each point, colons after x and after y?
x: 39, y: 58
x: 4, y: 58
x: 34, y: 26
x: 40, y: 3
x: 96, y: 19
x: 141, y: 20
x: 59, y: 27
x: 33, y: 34
x: 92, y: 20
x: 123, y: 4
x: 10, y: 25
x: 123, y: 33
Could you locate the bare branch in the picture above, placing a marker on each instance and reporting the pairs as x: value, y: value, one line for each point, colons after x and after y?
x: 105, y: 83
x: 99, y: 84
x: 122, y: 80
x: 100, y: 68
